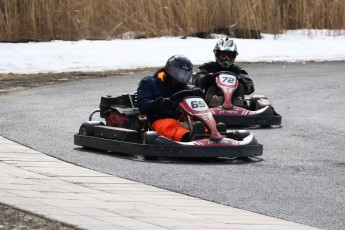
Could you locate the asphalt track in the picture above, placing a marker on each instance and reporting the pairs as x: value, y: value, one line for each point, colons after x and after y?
x: 300, y: 177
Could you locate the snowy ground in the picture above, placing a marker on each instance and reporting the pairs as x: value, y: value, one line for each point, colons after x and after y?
x: 85, y: 56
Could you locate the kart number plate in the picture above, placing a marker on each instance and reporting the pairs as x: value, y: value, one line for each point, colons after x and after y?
x: 227, y: 79
x: 197, y: 104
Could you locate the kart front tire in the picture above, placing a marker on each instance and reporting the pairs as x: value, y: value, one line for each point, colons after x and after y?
x: 87, y: 128
x: 241, y: 134
x: 149, y: 137
x: 253, y: 101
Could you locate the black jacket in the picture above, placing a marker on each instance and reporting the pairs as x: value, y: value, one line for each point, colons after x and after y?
x: 149, y: 91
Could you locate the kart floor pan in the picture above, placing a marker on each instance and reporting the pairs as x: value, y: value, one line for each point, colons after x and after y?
x: 167, y: 150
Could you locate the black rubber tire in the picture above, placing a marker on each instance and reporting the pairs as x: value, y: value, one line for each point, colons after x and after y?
x: 253, y: 99
x: 87, y: 128
x: 241, y: 134
x: 149, y: 137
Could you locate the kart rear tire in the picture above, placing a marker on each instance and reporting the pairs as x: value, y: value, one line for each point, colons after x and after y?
x: 87, y: 128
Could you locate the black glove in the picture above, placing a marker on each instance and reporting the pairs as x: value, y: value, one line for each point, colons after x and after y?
x: 197, y: 92
x: 248, y: 88
x: 247, y: 83
x: 209, y: 78
x: 203, y: 80
x: 166, y: 103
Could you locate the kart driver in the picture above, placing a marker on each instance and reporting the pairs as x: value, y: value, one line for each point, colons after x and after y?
x: 225, y: 52
x: 153, y: 99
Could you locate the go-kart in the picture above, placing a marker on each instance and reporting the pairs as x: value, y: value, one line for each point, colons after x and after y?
x: 128, y: 132
x: 257, y: 111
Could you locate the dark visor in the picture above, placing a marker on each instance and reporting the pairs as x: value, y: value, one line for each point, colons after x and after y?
x: 229, y: 55
x: 180, y: 75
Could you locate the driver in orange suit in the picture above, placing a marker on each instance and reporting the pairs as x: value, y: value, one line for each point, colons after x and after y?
x: 154, y: 94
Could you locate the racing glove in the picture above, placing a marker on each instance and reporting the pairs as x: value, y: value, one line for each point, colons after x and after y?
x: 197, y: 92
x: 247, y: 83
x: 203, y: 80
x: 166, y: 103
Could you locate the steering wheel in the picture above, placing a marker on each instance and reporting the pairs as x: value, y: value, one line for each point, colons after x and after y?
x: 224, y: 72
x: 179, y: 96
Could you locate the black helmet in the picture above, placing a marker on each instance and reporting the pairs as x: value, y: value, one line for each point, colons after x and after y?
x: 180, y: 68
x: 225, y: 52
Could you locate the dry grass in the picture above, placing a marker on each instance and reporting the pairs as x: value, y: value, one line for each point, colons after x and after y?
x: 39, y: 20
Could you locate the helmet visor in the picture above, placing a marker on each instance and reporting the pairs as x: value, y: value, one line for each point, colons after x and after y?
x: 226, y: 55
x: 180, y: 75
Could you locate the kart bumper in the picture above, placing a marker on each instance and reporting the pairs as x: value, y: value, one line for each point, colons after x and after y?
x: 249, y: 120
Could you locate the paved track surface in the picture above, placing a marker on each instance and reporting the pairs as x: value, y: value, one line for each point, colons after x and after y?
x: 299, y: 178
x: 80, y: 198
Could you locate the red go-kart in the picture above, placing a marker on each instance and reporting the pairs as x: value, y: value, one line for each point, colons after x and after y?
x: 127, y: 132
x: 257, y: 111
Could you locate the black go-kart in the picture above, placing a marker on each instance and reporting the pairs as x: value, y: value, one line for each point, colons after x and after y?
x: 126, y: 131
x: 257, y: 111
